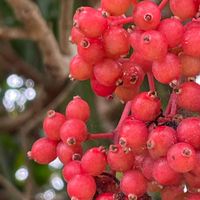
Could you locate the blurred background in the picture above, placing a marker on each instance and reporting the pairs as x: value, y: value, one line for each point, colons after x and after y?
x: 34, y: 58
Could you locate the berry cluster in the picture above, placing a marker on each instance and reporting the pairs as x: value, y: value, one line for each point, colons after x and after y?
x: 153, y: 150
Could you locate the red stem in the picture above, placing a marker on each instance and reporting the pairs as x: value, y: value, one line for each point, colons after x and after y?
x: 174, y: 105
x: 100, y: 136
x: 151, y: 81
x: 168, y: 108
x: 122, y: 21
x: 163, y: 4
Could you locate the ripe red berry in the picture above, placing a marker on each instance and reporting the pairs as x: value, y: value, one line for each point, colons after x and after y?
x: 183, y: 9
x: 52, y: 124
x: 181, y: 157
x: 76, y: 35
x: 164, y: 174
x: 189, y: 96
x: 73, y: 131
x: 43, y: 151
x: 173, y: 30
x: 94, y: 161
x: 146, y: 15
x: 133, y: 134
x: 107, y: 72
x: 87, y: 16
x: 134, y: 37
x: 147, y: 166
x: 100, y: 89
x: 146, y: 106
x: 133, y: 184
x: 115, y: 7
x: 120, y: 158
x: 68, y: 153
x: 160, y: 140
x: 190, y: 66
x: 116, y: 42
x: 105, y: 196
x: 152, y: 45
x: 196, y: 170
x: 78, y: 109
x: 190, y: 40
x: 71, y: 169
x: 79, y: 69
x: 189, y: 131
x: 172, y: 193
x: 91, y: 50
x: 167, y: 70
x: 81, y: 187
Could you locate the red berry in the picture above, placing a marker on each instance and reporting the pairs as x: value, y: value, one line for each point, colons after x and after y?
x: 181, y: 157
x: 146, y: 15
x: 43, y: 151
x: 105, y: 196
x: 146, y: 106
x: 183, y: 9
x: 52, y: 124
x: 147, y: 166
x: 81, y: 187
x: 76, y: 35
x: 196, y: 169
x: 152, y: 45
x: 189, y: 131
x: 192, y: 181
x: 68, y: 153
x: 79, y: 69
x: 73, y: 131
x: 133, y: 134
x: 190, y: 66
x: 71, y: 169
x: 134, y: 38
x: 189, y: 96
x: 88, y: 16
x: 133, y: 184
x: 115, y: 7
x: 167, y: 70
x: 107, y: 72
x: 173, y: 30
x: 91, y: 50
x: 172, y: 193
x: 163, y: 173
x: 78, y: 109
x: 160, y: 140
x: 119, y: 158
x: 100, y: 89
x: 94, y: 161
x: 116, y: 42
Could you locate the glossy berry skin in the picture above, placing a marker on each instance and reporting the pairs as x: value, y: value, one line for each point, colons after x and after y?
x: 94, y: 161
x: 107, y: 72
x: 190, y: 39
x: 189, y: 131
x: 160, y: 140
x: 73, y: 131
x: 91, y: 50
x: 105, y: 196
x: 76, y: 36
x: 101, y: 90
x: 152, y: 45
x: 126, y: 94
x: 146, y: 15
x: 163, y: 173
x: 71, y: 169
x: 183, y: 9
x: 43, y: 151
x: 116, y: 42
x: 190, y: 66
x: 88, y: 16
x: 78, y: 109
x: 147, y: 166
x: 81, y: 186
x: 79, y: 69
x: 52, y: 123
x: 120, y: 159
x: 133, y: 183
x: 167, y: 70
x: 189, y: 96
x: 133, y: 134
x: 145, y: 106
x: 116, y: 7
x: 181, y: 157
x: 173, y: 30
x: 134, y: 38
x: 66, y: 153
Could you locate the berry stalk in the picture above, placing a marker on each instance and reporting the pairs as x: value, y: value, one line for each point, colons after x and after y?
x: 122, y: 21
x: 151, y: 81
x: 163, y: 4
